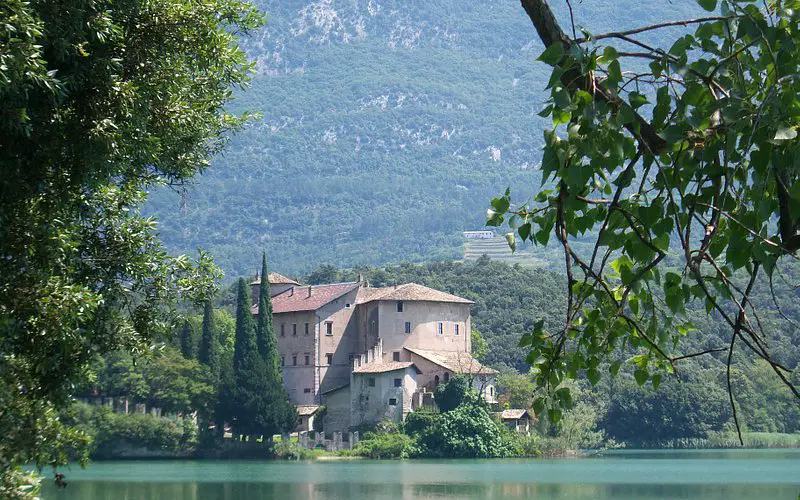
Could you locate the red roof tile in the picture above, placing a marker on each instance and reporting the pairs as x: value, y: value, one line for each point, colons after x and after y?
x: 276, y: 279
x: 409, y: 292
x: 455, y: 361
x: 297, y: 298
x: 388, y: 366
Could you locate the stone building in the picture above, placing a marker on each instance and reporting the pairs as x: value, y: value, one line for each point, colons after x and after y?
x: 370, y: 354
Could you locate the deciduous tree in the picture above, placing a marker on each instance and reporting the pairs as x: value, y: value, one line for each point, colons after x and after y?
x: 98, y: 100
x: 684, y: 173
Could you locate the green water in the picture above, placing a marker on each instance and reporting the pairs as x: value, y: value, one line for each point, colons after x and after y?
x: 624, y: 475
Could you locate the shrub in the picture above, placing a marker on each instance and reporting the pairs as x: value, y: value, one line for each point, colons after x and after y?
x: 385, y: 442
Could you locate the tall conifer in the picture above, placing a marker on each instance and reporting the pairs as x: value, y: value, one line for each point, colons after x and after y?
x: 209, y: 343
x: 267, y: 343
x: 245, y: 339
x: 187, y: 341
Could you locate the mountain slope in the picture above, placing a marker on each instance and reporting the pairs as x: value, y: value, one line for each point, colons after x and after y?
x: 386, y: 127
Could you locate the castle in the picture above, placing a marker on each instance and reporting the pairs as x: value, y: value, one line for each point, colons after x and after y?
x: 369, y: 354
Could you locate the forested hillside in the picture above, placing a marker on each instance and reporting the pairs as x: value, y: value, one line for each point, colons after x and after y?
x: 386, y: 126
x: 509, y: 299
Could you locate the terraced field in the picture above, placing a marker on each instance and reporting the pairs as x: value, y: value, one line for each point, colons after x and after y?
x: 497, y: 249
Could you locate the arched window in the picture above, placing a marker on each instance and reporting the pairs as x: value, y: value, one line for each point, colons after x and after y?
x: 447, y: 377
x: 436, y: 381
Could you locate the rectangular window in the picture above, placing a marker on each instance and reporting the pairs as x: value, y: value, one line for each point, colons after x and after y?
x: 307, y: 390
x: 347, y: 306
x: 329, y: 328
x: 294, y: 359
x: 294, y: 329
x: 308, y: 358
x: 329, y: 358
x: 455, y: 329
x: 396, y: 356
x: 399, y: 306
x: 398, y: 382
x: 371, y: 382
x: 440, y: 328
x: 408, y: 327
x: 283, y: 330
x: 306, y: 328
x: 283, y: 360
x: 392, y: 401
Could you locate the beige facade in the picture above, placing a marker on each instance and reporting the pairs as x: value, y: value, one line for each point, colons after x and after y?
x: 366, y: 352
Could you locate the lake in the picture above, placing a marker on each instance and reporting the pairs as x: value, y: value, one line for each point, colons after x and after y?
x: 621, y: 475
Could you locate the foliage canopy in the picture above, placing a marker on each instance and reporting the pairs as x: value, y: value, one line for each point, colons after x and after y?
x: 98, y: 100
x: 685, y: 165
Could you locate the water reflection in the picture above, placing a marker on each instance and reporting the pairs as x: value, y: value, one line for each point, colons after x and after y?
x: 106, y: 490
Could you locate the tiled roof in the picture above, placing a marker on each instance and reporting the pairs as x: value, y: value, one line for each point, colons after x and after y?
x: 410, y: 292
x: 276, y: 279
x: 306, y: 410
x: 388, y: 366
x: 512, y: 414
x: 456, y: 362
x: 297, y: 298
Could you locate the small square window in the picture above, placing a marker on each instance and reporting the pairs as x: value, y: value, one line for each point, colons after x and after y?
x: 294, y: 360
x: 294, y: 329
x: 392, y: 401
x: 347, y: 306
x: 408, y: 327
x: 329, y: 358
x: 396, y: 356
x: 307, y: 390
x: 371, y: 381
x: 398, y: 382
x: 329, y: 328
x: 399, y: 306
x: 440, y: 329
x: 283, y: 330
x: 308, y: 358
x: 306, y: 328
x: 455, y: 329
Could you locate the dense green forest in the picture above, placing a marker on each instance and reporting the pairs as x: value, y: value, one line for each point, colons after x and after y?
x: 509, y: 299
x: 386, y: 128
x: 691, y: 409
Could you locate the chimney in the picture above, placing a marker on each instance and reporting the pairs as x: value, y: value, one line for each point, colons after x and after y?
x: 309, y: 291
x: 360, y: 277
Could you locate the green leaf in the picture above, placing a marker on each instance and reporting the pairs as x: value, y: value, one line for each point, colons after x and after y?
x: 524, y: 231
x: 641, y: 375
x: 656, y: 380
x: 709, y: 5
x: 512, y: 241
x: 593, y: 375
x: 637, y: 100
x: 554, y: 414
x: 552, y: 54
x: 538, y: 406
x: 785, y: 133
x: 614, y: 368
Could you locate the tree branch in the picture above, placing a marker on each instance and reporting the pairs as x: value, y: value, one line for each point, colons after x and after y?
x: 652, y: 27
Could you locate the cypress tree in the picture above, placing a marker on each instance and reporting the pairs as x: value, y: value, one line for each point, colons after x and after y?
x: 282, y: 413
x: 187, y: 341
x: 267, y: 343
x: 209, y: 343
x: 259, y: 403
x: 245, y: 339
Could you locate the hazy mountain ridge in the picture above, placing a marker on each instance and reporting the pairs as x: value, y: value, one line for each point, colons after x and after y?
x: 387, y: 126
